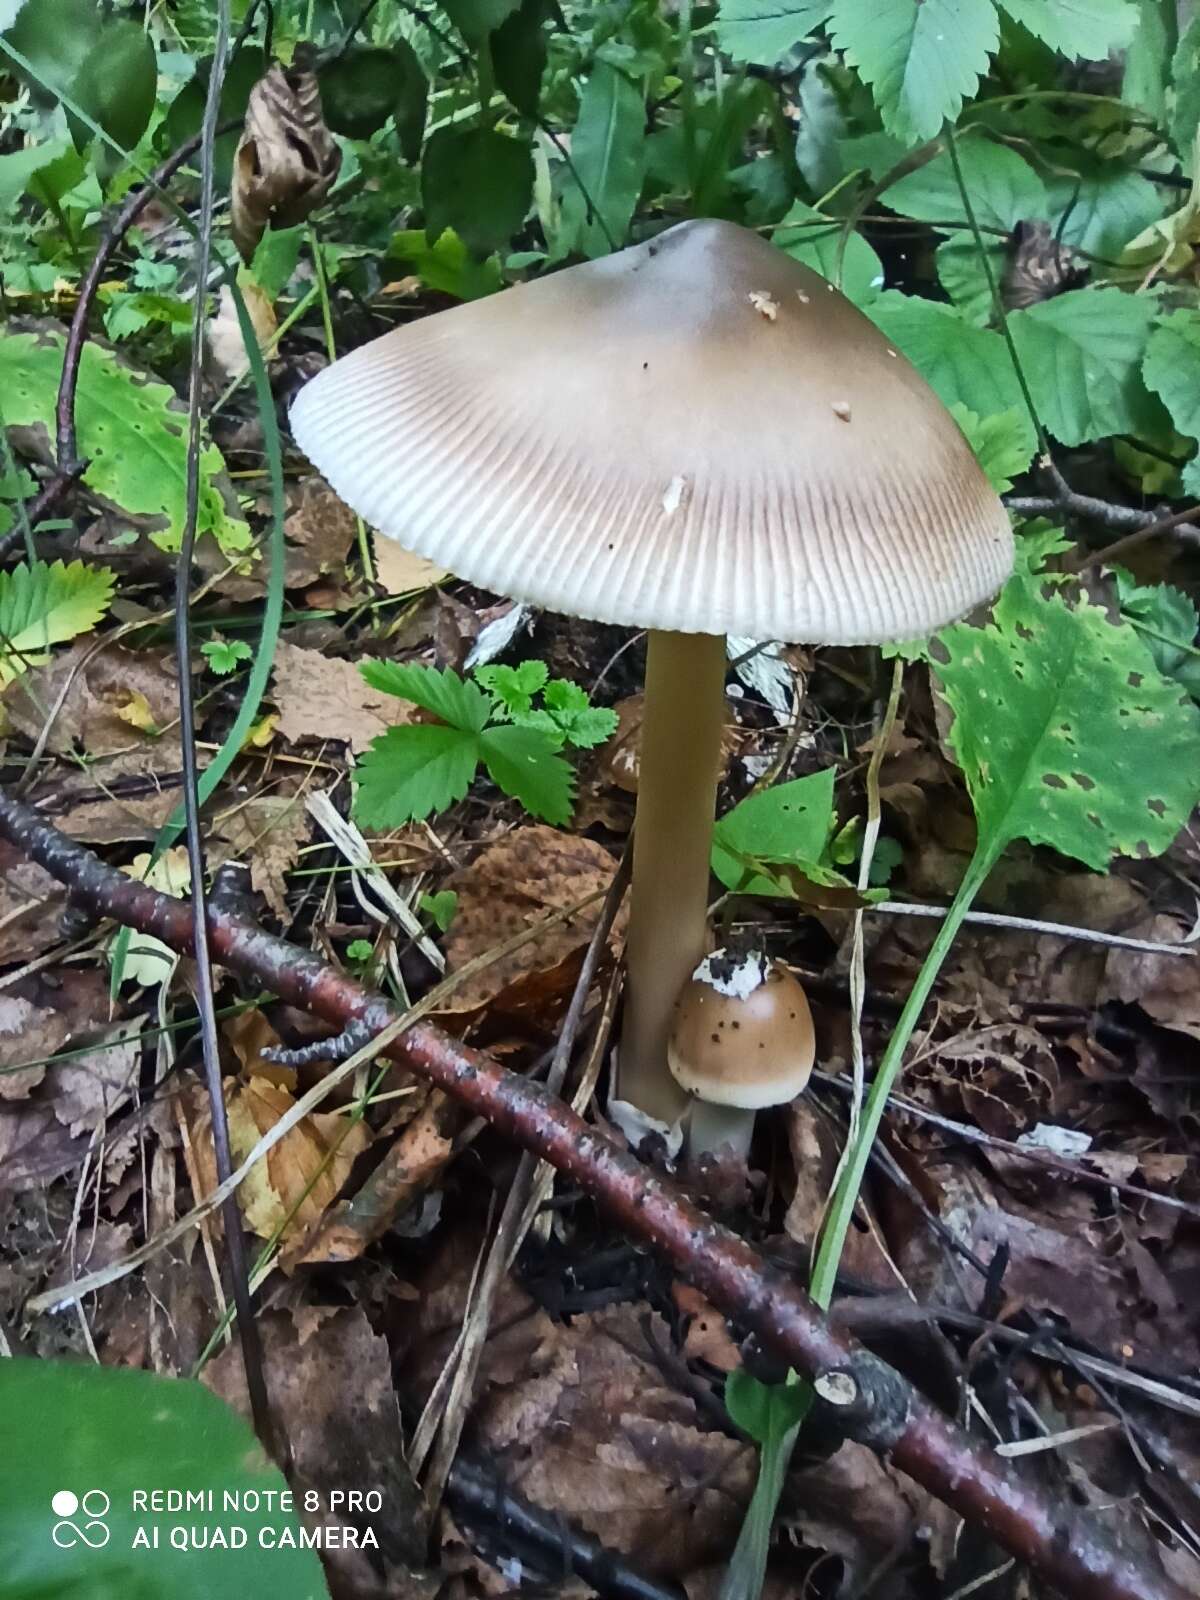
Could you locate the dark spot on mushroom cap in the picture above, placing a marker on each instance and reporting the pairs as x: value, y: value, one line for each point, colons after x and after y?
x: 716, y: 1038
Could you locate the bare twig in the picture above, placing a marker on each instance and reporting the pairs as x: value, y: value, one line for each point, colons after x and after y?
x: 1078, y: 1554
x: 1056, y: 930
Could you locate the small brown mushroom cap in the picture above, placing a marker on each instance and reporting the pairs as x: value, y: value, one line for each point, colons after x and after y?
x: 696, y: 434
x: 742, y: 1034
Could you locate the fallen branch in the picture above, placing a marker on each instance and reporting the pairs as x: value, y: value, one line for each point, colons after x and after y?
x: 880, y: 1408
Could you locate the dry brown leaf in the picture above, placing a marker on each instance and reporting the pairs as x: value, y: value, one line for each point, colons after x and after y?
x: 268, y: 832
x: 707, y: 1337
x: 286, y: 159
x: 31, y: 903
x: 323, y: 698
x: 26, y: 1033
x: 86, y: 1089
x: 400, y: 571
x: 276, y: 1186
x: 855, y: 1507
x: 1166, y: 987
x: 529, y: 872
x: 320, y: 530
x: 224, y: 344
x: 104, y: 685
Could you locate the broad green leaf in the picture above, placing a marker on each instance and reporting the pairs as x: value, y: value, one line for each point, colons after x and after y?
x: 47, y: 604
x: 411, y: 772
x: 1000, y: 442
x: 132, y: 433
x: 1082, y: 356
x: 447, y: 265
x: 519, y: 49
x: 1185, y: 75
x: 765, y: 31
x: 789, y: 823
x: 812, y: 237
x: 1144, y: 84
x: 478, y: 182
x: 475, y: 19
x: 1084, y: 30
x: 1100, y: 211
x: 1067, y: 733
x: 608, y: 151
x: 55, y: 37
x: 17, y: 168
x: 523, y: 763
x: 361, y: 89
x: 1003, y: 188
x: 455, y: 700
x: 1172, y: 368
x: 115, y: 86
x: 921, y: 58
x: 68, y: 1514
x: 758, y: 1408
x: 276, y: 258
x: 961, y: 273
x: 962, y: 363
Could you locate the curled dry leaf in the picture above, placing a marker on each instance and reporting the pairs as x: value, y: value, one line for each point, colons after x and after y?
x: 530, y: 872
x: 286, y: 158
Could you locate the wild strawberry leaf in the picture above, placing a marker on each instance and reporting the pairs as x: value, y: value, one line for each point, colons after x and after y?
x: 523, y: 763
x: 47, y: 604
x: 455, y: 700
x: 411, y: 772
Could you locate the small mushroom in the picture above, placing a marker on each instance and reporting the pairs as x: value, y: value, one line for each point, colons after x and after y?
x: 626, y: 441
x: 741, y: 1039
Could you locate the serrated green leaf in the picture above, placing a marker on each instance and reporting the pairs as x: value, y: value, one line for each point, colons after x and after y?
x: 478, y: 182
x: 115, y: 85
x: 1185, y: 76
x: 1067, y: 733
x: 1167, y: 622
x: 765, y: 31
x: 962, y: 274
x: 1144, y: 81
x: 1082, y: 356
x: 456, y: 700
x: 563, y: 695
x: 920, y: 58
x: 447, y: 265
x: 131, y: 433
x: 514, y: 687
x: 962, y: 363
x: 523, y: 763
x: 585, y: 729
x: 223, y: 655
x: 788, y: 824
x: 1101, y: 210
x: 1003, y: 188
x: 185, y: 1441
x: 47, y: 604
x: 1172, y: 368
x: 1000, y: 442
x: 810, y: 236
x: 411, y: 772
x: 608, y: 151
x: 1082, y: 30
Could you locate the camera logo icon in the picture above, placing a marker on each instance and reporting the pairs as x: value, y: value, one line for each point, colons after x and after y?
x: 81, y: 1519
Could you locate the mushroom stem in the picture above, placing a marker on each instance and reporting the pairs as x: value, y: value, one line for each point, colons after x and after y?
x: 677, y: 795
x: 711, y: 1128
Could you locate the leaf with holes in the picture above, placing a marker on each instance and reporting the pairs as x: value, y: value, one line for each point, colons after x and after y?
x: 132, y: 434
x: 921, y: 58
x: 788, y: 824
x: 1067, y: 733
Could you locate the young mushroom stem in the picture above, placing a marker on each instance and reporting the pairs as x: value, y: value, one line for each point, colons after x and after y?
x: 711, y: 1128
x: 677, y: 792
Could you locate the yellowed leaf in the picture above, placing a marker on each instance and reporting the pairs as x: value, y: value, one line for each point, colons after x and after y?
x: 301, y: 1175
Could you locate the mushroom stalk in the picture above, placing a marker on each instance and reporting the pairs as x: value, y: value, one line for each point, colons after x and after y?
x: 711, y: 1128
x: 677, y: 794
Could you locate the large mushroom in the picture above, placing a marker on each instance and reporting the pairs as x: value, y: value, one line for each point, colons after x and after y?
x: 697, y: 436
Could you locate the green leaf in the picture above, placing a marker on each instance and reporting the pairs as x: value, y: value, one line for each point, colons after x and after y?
x: 1083, y: 30
x: 1067, y: 733
x: 514, y: 687
x: 961, y: 273
x: 55, y: 37
x: 185, y: 1440
x: 810, y: 236
x: 1082, y: 355
x: 766, y: 31
x: 116, y: 86
x: 1185, y: 75
x: 478, y: 182
x: 132, y: 434
x: 17, y: 168
x: 574, y: 716
x: 47, y: 604
x: 447, y: 265
x: 523, y: 763
x: 962, y: 363
x: 921, y: 58
x: 361, y: 89
x: 1003, y: 188
x: 519, y: 49
x: 456, y: 700
x: 411, y: 772
x: 1000, y: 442
x: 475, y: 19
x: 1100, y: 211
x: 276, y: 258
x: 1144, y: 84
x: 439, y: 908
x: 223, y: 655
x: 1167, y: 623
x: 761, y: 1408
x: 608, y: 151
x: 1172, y: 368
x: 788, y: 824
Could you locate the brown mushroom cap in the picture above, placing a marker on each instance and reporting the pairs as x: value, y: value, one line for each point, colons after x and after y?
x: 742, y: 1033
x: 696, y: 434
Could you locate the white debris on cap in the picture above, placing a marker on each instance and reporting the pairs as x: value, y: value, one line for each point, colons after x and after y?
x: 739, y: 980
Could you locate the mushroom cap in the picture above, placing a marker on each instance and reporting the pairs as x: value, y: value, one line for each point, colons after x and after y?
x: 696, y: 434
x: 742, y: 1034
